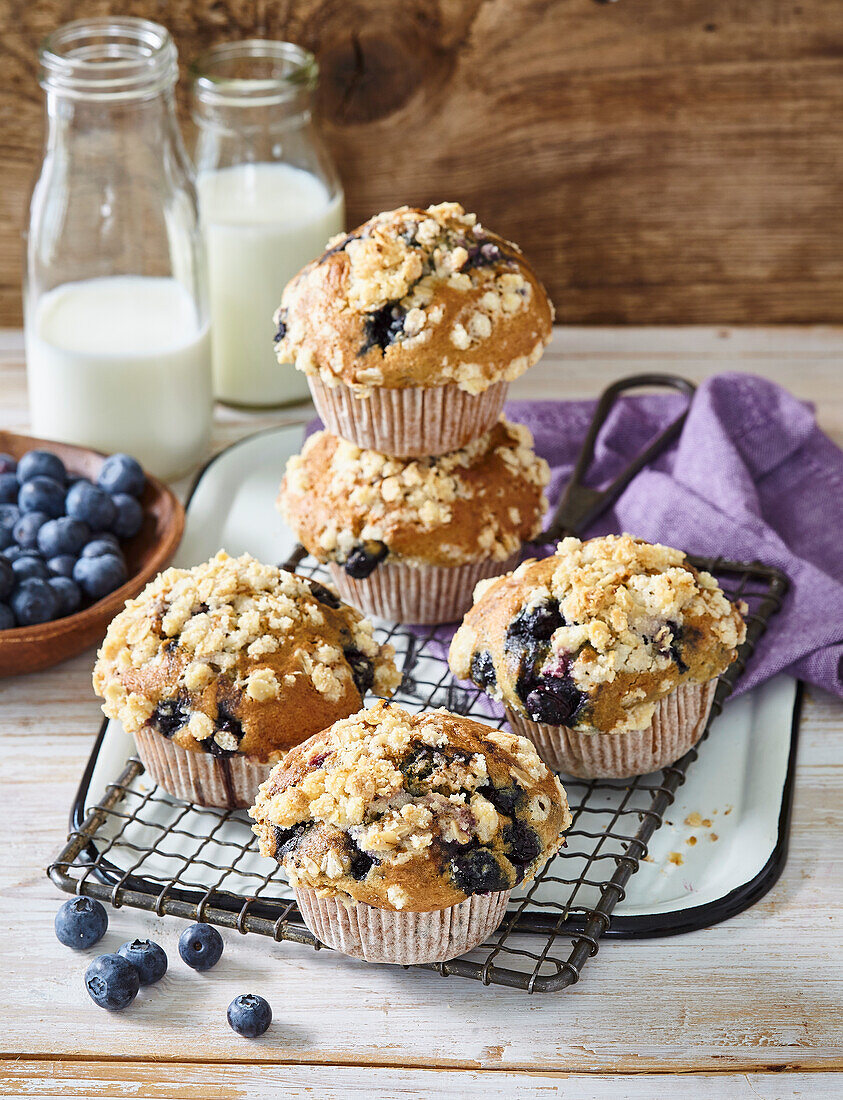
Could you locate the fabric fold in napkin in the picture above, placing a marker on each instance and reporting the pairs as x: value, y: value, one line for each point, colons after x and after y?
x: 751, y: 477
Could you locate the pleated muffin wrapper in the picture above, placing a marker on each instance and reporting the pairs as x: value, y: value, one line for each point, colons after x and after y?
x: 388, y: 936
x: 227, y: 782
x: 418, y: 593
x: 411, y: 422
x: 678, y: 723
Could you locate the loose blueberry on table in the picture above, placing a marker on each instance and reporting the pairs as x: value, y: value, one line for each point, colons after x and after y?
x: 112, y: 982
x: 200, y: 946
x: 147, y: 958
x: 80, y: 923
x: 249, y: 1015
x: 60, y: 534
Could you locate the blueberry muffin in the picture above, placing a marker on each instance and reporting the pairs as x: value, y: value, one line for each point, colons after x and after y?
x: 407, y: 539
x: 403, y: 834
x: 218, y: 670
x: 605, y: 654
x: 411, y: 327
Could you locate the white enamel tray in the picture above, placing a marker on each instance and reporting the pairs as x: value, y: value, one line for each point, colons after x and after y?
x: 724, y: 840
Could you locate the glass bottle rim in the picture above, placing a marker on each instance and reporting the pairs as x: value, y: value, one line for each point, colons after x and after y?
x: 289, y: 70
x: 108, y: 58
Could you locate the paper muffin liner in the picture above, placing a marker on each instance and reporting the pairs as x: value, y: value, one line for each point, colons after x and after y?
x: 678, y: 723
x: 411, y: 422
x: 228, y: 782
x: 386, y: 936
x: 418, y: 593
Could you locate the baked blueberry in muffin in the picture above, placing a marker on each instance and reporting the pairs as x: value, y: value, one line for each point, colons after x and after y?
x: 219, y: 669
x: 408, y: 814
x: 407, y: 539
x: 410, y: 327
x: 595, y: 645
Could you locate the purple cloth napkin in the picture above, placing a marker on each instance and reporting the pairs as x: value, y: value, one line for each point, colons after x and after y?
x: 750, y: 477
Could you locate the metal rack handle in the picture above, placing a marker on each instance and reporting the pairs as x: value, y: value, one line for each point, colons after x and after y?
x: 581, y: 504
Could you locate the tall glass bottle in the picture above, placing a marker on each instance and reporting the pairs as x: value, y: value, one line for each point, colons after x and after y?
x: 269, y: 197
x: 115, y: 300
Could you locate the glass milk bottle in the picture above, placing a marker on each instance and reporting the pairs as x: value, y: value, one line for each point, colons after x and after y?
x: 115, y: 302
x: 269, y: 198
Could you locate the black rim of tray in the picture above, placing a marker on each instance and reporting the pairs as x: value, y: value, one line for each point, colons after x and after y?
x: 617, y: 840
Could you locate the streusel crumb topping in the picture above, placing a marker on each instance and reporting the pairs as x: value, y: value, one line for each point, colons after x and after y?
x: 483, y: 501
x: 410, y: 810
x: 415, y: 297
x: 211, y: 656
x: 595, y: 635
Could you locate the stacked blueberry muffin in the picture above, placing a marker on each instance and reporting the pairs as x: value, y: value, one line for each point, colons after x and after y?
x: 218, y: 670
x: 410, y: 329
x: 605, y: 654
x: 408, y: 539
x: 403, y: 834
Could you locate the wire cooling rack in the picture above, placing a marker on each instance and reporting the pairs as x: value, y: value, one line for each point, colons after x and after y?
x: 142, y: 848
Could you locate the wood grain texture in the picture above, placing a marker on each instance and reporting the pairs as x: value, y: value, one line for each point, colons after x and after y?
x: 755, y: 1001
x: 661, y: 163
x: 190, y: 1081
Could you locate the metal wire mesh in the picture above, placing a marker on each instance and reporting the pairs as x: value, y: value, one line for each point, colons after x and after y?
x: 140, y: 847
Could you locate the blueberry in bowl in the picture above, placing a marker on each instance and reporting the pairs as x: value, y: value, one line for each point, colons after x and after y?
x: 9, y: 488
x: 97, y: 576
x: 42, y: 494
x: 7, y: 577
x: 120, y: 473
x: 91, y: 505
x: 43, y: 624
x: 40, y: 463
x: 29, y: 565
x: 68, y: 595
x: 34, y: 601
x: 64, y: 535
x: 26, y: 529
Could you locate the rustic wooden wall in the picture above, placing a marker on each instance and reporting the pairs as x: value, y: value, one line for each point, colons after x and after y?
x: 662, y: 160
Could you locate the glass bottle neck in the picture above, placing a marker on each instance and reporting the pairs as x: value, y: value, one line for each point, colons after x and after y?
x: 233, y: 118
x: 157, y: 109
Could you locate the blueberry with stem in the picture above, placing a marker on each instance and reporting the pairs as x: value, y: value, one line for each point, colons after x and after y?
x: 249, y: 1015
x: 112, y: 982
x: 81, y: 922
x: 147, y: 958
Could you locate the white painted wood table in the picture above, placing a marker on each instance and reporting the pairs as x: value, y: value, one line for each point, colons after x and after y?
x: 750, y: 1008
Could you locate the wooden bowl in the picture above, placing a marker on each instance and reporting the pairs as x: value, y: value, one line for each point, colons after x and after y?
x: 30, y: 648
